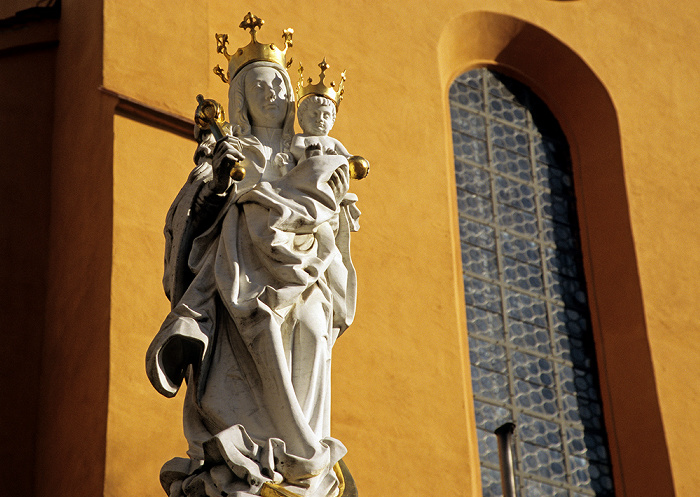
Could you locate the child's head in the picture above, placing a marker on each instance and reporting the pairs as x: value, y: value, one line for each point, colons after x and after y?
x: 316, y: 115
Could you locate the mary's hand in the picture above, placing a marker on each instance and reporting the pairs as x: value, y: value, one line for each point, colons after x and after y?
x: 226, y: 153
x: 339, y: 183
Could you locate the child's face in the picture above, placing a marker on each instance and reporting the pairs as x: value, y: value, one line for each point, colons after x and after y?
x: 317, y: 119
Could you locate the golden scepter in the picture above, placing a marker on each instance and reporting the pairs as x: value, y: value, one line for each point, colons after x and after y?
x: 209, y: 115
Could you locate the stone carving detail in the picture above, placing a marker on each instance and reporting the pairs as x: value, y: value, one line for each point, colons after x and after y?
x: 261, y: 283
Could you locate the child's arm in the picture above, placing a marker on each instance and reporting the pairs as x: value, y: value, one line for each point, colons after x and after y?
x: 340, y: 148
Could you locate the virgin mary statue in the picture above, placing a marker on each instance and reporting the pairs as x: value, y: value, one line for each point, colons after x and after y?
x: 261, y: 284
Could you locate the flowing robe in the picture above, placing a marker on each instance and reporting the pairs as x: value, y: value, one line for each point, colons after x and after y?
x: 265, y: 292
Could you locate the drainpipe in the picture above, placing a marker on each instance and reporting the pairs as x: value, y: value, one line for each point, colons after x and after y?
x: 505, y: 456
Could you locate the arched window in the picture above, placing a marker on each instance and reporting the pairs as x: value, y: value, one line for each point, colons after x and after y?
x: 531, y: 350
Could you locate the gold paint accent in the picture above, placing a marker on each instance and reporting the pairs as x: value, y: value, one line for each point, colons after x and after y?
x: 287, y: 36
x: 275, y: 490
x: 252, y: 23
x: 359, y: 167
x: 320, y: 88
x: 221, y: 42
x: 252, y: 52
x: 210, y: 115
x: 341, y: 479
x: 219, y: 71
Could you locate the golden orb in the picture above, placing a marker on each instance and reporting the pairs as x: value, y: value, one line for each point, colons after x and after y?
x: 237, y: 173
x: 359, y: 167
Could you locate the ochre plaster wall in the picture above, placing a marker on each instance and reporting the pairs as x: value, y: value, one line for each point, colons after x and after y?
x: 146, y: 430
x: 401, y: 390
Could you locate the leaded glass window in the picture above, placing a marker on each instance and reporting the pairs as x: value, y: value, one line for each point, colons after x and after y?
x: 531, y: 350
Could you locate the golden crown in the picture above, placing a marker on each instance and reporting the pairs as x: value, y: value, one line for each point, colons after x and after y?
x: 320, y: 88
x: 252, y: 52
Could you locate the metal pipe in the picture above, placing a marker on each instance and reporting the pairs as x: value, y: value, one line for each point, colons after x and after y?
x: 505, y: 456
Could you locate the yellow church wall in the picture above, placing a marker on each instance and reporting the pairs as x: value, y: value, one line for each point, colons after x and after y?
x: 401, y: 390
x: 144, y: 430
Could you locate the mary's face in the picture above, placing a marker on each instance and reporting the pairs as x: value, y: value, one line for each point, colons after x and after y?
x: 266, y: 96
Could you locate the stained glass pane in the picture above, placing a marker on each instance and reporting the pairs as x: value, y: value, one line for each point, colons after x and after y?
x: 531, y: 352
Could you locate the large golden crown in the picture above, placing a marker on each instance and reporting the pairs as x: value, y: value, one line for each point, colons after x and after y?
x: 252, y: 52
x: 320, y: 88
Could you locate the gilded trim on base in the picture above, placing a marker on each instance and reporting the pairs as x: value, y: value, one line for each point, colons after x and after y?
x: 275, y: 490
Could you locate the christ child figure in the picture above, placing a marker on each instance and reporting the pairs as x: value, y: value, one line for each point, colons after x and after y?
x: 316, y: 118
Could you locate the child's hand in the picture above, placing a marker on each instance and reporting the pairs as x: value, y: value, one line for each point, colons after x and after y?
x: 313, y: 150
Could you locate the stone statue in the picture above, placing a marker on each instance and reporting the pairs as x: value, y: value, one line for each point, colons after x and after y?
x: 259, y: 276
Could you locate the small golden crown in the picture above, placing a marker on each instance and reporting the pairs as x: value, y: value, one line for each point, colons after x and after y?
x: 320, y: 88
x: 252, y: 52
